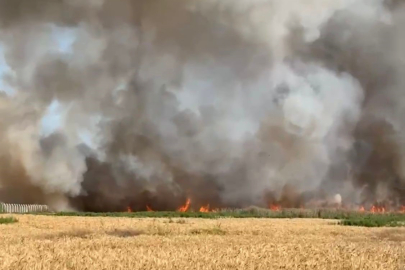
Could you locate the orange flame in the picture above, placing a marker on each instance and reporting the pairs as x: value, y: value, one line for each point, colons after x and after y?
x: 205, y: 209
x: 275, y: 207
x: 361, y: 209
x: 376, y: 209
x: 148, y: 208
x: 129, y: 210
x: 402, y: 209
x: 185, y: 207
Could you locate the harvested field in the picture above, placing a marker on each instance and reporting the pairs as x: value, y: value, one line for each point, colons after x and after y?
x: 47, y: 242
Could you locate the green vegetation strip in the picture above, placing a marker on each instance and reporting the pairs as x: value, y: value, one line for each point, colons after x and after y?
x: 8, y: 220
x: 347, y: 218
x: 387, y: 220
x: 227, y: 213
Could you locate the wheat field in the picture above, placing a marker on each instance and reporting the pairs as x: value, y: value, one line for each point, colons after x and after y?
x: 45, y: 242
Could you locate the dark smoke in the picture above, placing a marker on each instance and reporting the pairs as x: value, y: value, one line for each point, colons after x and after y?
x: 229, y: 103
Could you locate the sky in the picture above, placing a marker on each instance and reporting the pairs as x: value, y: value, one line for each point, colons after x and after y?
x: 65, y: 38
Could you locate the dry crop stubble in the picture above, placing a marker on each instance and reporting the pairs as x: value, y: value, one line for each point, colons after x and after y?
x: 45, y: 242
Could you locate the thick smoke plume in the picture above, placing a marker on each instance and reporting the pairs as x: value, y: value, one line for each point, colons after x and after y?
x: 226, y: 102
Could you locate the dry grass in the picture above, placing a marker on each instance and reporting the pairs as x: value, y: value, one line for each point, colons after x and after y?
x: 45, y: 242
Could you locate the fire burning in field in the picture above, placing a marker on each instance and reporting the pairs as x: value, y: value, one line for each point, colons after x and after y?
x: 185, y: 207
x: 381, y: 209
x: 205, y: 209
x: 171, y: 121
x: 377, y: 209
x: 374, y: 209
x: 332, y: 203
x: 275, y: 207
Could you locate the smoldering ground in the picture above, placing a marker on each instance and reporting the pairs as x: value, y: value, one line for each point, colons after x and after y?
x: 229, y: 103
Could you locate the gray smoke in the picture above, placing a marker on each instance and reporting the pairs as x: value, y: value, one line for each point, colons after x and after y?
x: 226, y: 102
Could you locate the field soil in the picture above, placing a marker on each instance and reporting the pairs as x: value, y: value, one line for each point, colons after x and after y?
x: 46, y: 242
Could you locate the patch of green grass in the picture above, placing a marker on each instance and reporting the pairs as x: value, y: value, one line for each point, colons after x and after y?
x: 252, y: 212
x: 353, y: 218
x: 387, y: 220
x: 8, y: 220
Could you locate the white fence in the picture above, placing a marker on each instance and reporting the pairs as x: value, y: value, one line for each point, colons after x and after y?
x: 23, y: 208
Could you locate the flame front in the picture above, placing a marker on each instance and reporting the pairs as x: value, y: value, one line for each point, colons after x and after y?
x: 376, y: 209
x: 205, y: 209
x: 185, y: 207
x: 275, y: 207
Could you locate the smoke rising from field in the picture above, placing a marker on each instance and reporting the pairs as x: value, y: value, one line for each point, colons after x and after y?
x: 227, y: 102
